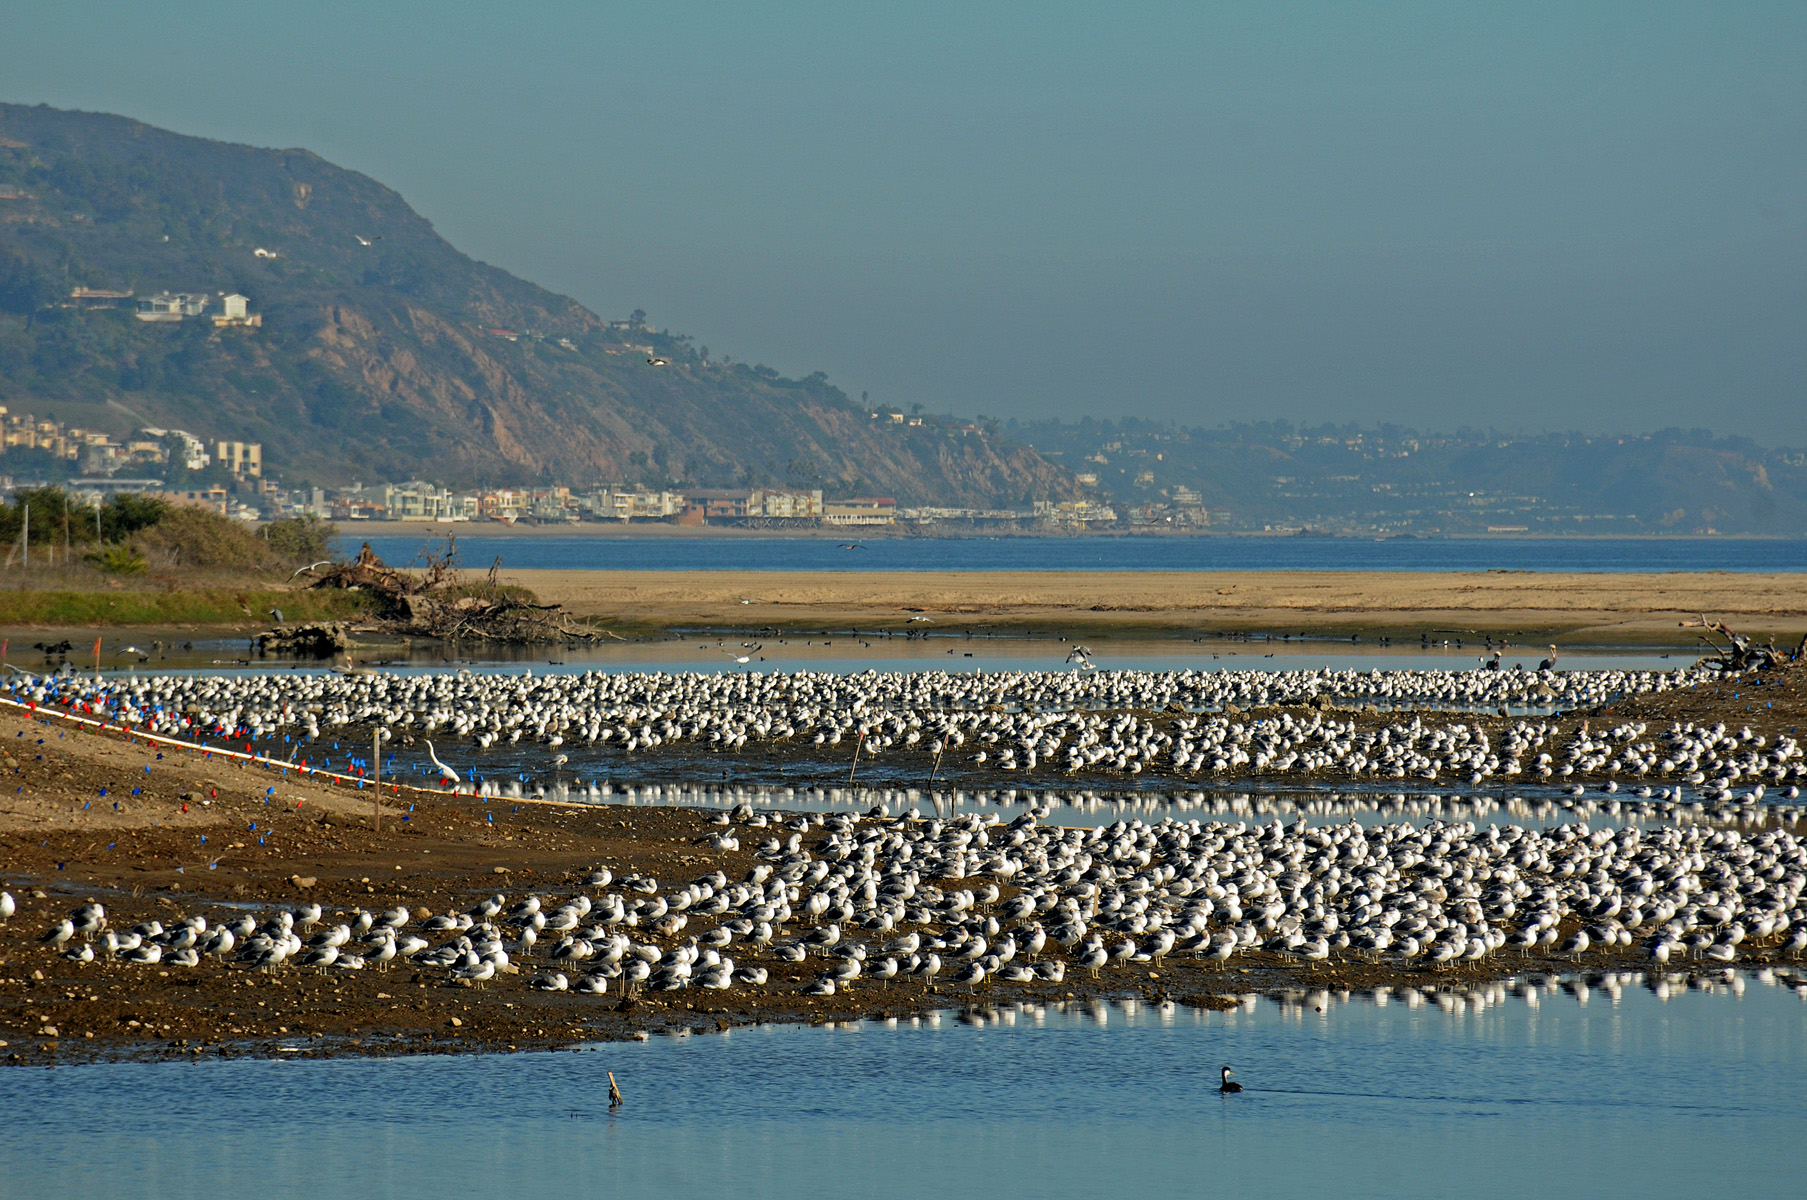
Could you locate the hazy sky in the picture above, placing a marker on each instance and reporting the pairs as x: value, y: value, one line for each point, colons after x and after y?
x: 1583, y: 216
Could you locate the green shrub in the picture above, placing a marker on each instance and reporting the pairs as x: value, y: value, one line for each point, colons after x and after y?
x: 301, y: 540
x: 119, y: 560
x: 200, y: 538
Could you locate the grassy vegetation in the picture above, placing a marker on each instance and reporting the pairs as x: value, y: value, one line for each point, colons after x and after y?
x: 196, y: 606
x: 140, y: 561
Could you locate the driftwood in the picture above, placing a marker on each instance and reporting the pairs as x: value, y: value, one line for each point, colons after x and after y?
x: 1740, y: 653
x: 437, y: 602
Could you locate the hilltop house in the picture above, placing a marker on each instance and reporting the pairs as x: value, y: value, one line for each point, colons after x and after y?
x: 234, y: 310
x: 171, y: 306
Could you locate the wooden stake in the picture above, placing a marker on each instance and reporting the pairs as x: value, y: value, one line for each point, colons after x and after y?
x: 376, y: 778
x: 856, y: 759
x: 614, y: 1092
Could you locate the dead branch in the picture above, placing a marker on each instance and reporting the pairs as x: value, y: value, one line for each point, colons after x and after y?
x: 1741, y: 654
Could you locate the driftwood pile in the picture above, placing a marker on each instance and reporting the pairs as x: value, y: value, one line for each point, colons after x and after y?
x: 1740, y: 653
x: 438, y: 602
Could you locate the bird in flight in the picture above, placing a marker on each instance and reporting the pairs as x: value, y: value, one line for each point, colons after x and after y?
x: 1083, y: 656
x: 364, y: 241
x: 747, y: 657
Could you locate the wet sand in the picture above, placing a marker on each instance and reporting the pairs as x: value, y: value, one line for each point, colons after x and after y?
x: 1522, y: 607
x: 197, y: 834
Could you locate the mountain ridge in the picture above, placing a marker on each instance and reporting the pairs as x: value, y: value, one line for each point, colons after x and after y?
x: 387, y: 353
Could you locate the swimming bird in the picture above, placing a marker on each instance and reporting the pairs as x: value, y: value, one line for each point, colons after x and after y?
x: 1228, y: 1085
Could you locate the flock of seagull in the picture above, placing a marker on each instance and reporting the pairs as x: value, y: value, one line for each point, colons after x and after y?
x: 836, y: 902
x: 1184, y: 724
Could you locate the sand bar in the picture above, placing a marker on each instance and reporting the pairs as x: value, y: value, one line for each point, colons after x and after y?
x: 1584, y: 608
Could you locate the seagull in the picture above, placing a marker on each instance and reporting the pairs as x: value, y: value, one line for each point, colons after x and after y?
x: 1081, y: 655
x: 747, y: 657
x: 364, y: 241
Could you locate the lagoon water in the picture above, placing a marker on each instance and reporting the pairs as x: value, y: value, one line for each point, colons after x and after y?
x: 751, y: 552
x: 1606, y: 1089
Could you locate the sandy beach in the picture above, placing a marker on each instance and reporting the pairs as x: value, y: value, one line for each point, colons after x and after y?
x: 1527, y: 607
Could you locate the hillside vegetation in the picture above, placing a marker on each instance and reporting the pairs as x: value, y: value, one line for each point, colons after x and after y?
x: 385, y: 353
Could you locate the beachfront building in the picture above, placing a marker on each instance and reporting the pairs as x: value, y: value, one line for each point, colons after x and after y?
x: 505, y: 505
x: 552, y: 506
x: 416, y: 501
x: 787, y: 504
x: 760, y: 507
x: 631, y: 504
x: 861, y: 510
x: 1073, y: 514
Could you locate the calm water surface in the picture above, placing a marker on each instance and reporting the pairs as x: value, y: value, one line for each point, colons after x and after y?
x: 1607, y: 1089
x: 754, y: 553
x: 844, y: 652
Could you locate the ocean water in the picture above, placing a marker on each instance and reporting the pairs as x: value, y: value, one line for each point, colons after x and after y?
x: 479, y: 547
x: 1608, y: 1086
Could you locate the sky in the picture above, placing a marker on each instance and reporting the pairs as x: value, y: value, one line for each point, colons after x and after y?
x: 1522, y: 217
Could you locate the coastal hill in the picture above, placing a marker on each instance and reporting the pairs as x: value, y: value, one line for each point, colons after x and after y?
x: 385, y: 353
x: 1350, y: 479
